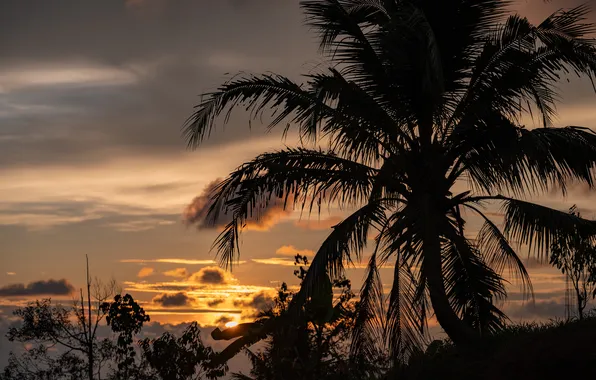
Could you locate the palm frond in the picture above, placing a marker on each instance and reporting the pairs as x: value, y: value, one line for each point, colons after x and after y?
x: 522, y: 63
x: 344, y: 243
x: 375, y: 124
x: 255, y: 93
x: 501, y: 156
x: 499, y: 255
x: 406, y: 313
x: 301, y: 176
x: 538, y: 226
x: 369, y: 326
x: 472, y: 286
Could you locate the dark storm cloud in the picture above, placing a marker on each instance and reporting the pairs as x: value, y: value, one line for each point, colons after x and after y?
x: 173, y: 300
x: 223, y: 320
x: 196, y: 212
x: 210, y: 276
x: 215, y: 302
x: 37, y: 288
x: 161, y: 53
x: 259, y: 301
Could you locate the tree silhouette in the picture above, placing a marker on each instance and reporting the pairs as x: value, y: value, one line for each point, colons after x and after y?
x: 420, y: 97
x: 575, y: 256
x: 182, y: 358
x: 316, y: 346
x: 46, y: 325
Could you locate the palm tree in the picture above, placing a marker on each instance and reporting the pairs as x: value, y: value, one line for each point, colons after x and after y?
x: 420, y: 96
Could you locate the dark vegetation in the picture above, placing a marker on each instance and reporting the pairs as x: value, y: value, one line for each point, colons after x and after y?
x: 419, y: 97
x: 553, y: 350
x: 71, y: 343
x: 316, y: 347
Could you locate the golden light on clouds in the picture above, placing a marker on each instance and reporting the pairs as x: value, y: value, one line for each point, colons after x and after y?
x: 178, y: 272
x: 318, y: 224
x: 24, y: 77
x: 275, y: 261
x: 231, y: 324
x: 145, y: 272
x: 169, y: 261
x: 197, y: 211
x: 290, y: 250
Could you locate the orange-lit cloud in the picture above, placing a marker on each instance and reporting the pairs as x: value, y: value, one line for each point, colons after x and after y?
x: 318, y: 224
x: 211, y: 276
x: 275, y: 261
x: 170, y: 261
x: 11, y: 273
x: 196, y: 212
x: 255, y: 303
x: 215, y: 302
x: 178, y: 272
x: 172, y: 300
x: 37, y: 288
x: 145, y: 272
x: 289, y: 262
x: 224, y: 319
x: 290, y: 250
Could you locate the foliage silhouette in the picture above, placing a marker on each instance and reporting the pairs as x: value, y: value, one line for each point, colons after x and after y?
x: 126, y: 318
x: 74, y: 328
x: 531, y: 351
x: 182, y: 358
x: 115, y: 357
x: 314, y: 347
x: 420, y: 96
x: 575, y: 256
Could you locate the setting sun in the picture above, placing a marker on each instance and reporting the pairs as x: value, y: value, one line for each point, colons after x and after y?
x: 231, y: 324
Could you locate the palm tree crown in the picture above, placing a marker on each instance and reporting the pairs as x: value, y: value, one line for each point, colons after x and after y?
x: 420, y: 94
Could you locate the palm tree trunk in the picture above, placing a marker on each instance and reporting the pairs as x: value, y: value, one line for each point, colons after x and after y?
x: 458, y: 331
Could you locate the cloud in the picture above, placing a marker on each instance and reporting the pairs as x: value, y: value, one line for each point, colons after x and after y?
x: 10, y: 273
x: 145, y: 272
x: 38, y: 288
x: 38, y: 215
x: 210, y: 276
x: 223, y: 320
x: 532, y: 263
x: 170, y: 261
x: 215, y: 302
x: 275, y: 261
x: 260, y: 301
x: 318, y: 224
x: 290, y: 250
x: 537, y: 310
x: 178, y: 272
x: 20, y: 78
x: 172, y: 300
x: 540, y: 296
x: 196, y: 212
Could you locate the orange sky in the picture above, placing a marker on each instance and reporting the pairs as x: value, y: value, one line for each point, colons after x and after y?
x: 92, y: 162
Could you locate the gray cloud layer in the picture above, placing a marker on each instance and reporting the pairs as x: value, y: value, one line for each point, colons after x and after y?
x: 37, y: 288
x: 161, y: 55
x: 154, y: 58
x: 172, y: 300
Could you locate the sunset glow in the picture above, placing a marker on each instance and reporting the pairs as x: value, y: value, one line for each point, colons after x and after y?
x: 231, y: 324
x: 93, y: 163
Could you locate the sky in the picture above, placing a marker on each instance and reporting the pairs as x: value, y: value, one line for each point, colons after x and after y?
x: 92, y: 98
